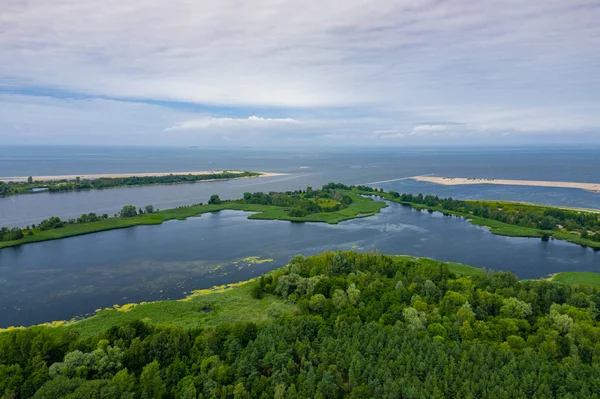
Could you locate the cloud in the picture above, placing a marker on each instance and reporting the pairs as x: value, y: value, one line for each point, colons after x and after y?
x: 416, y: 131
x: 429, y: 128
x: 338, y: 70
x: 232, y: 123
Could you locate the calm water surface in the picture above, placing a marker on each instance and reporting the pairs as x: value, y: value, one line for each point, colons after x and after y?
x: 65, y: 278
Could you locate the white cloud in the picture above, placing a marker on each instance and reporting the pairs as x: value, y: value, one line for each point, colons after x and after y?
x: 232, y: 123
x: 429, y: 128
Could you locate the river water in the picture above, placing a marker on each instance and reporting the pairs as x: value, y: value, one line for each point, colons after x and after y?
x: 71, y: 277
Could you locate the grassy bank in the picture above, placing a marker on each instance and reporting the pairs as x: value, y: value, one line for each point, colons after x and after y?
x: 360, y: 207
x: 203, y: 308
x: 587, y: 279
x: 209, y: 307
x: 234, y: 302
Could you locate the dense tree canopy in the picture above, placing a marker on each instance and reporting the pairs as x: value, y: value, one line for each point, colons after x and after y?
x: 301, y: 203
x: 369, y: 326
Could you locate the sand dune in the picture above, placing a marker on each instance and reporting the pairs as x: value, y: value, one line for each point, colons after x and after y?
x: 452, y: 181
x: 118, y: 175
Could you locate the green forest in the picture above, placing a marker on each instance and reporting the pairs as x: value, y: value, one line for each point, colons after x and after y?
x: 364, y: 325
x: 54, y: 186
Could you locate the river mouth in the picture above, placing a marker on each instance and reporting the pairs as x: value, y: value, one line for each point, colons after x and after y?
x: 62, y: 279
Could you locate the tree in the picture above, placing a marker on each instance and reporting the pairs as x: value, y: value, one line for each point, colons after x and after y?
x: 353, y: 294
x: 151, y: 384
x: 465, y: 314
x: 340, y: 299
x: 514, y: 308
x: 128, y: 211
x: 58, y: 387
x: 51, y: 223
x: 415, y: 320
x: 149, y: 209
x: 214, y: 199
x: 317, y: 302
x: 189, y: 391
x: 30, y: 180
x: 239, y: 392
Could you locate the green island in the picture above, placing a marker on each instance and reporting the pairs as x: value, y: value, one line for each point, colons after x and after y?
x: 333, y: 203
x: 328, y: 204
x: 32, y: 186
x: 333, y: 325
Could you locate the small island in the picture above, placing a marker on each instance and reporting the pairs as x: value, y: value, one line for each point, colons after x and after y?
x: 57, y: 184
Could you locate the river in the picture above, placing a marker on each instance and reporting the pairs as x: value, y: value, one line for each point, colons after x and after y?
x: 61, y: 279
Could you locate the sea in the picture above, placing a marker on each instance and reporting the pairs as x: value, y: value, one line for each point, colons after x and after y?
x: 388, y: 168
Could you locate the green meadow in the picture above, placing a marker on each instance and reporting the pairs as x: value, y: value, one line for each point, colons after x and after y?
x: 203, y: 308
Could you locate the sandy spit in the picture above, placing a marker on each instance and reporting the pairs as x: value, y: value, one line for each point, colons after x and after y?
x: 452, y: 181
x: 119, y: 175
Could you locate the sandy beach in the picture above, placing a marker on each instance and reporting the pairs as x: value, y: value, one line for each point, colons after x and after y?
x: 453, y: 181
x: 119, y: 175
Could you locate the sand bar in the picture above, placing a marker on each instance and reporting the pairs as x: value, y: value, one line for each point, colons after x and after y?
x: 453, y: 181
x: 120, y: 175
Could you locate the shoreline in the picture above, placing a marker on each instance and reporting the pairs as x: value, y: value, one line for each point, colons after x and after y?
x: 455, y: 181
x: 95, y: 321
x: 23, y: 179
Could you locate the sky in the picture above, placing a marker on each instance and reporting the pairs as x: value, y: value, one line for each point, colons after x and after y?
x: 287, y: 73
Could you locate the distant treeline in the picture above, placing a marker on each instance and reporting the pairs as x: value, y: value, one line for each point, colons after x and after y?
x: 54, y: 222
x: 368, y: 326
x: 12, y: 188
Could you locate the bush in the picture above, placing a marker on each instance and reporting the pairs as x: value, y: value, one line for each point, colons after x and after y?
x: 214, y: 200
x: 52, y: 223
x: 128, y: 211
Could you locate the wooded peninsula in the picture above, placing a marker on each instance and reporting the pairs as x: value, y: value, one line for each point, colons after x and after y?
x: 58, y: 184
x: 334, y: 325
x: 513, y: 219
